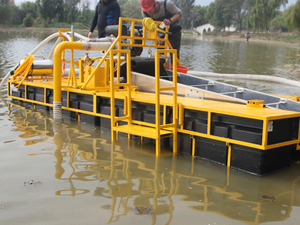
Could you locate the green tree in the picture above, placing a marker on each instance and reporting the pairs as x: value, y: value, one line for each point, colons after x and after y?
x: 220, y: 13
x: 29, y: 7
x: 263, y: 11
x: 7, y: 8
x: 239, y: 8
x: 28, y: 20
x: 197, y: 15
x: 5, y: 2
x: 186, y: 6
x: 278, y: 23
x: 86, y: 12
x: 50, y: 10
x: 121, y: 4
x: 71, y: 7
x: 5, y: 14
x: 132, y: 9
x: 15, y: 15
x: 293, y: 18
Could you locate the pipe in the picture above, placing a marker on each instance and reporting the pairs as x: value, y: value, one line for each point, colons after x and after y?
x: 102, y: 46
x: 257, y: 77
x: 57, y: 111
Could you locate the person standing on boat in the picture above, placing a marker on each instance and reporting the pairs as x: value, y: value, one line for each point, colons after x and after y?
x: 167, y: 12
x: 107, y: 12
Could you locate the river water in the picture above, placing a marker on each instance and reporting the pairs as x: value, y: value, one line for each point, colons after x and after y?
x: 77, y: 177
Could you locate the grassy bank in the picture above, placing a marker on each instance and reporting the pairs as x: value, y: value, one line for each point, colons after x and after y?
x: 52, y: 25
x: 286, y: 37
x: 272, y: 36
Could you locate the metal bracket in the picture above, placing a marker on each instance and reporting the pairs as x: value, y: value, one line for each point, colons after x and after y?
x: 281, y: 101
x: 256, y: 103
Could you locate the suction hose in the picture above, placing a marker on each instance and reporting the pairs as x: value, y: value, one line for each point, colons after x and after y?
x: 266, y: 78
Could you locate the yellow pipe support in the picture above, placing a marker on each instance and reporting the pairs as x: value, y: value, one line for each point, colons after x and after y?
x: 193, y: 145
x: 229, y: 154
x: 57, y: 110
x: 57, y: 66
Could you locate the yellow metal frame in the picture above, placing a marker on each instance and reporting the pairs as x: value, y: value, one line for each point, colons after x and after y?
x: 144, y: 129
x: 112, y: 60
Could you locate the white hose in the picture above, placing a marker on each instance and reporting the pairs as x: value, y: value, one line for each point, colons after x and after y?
x: 31, y: 53
x: 266, y: 78
x: 43, y: 42
x: 46, y: 40
x: 59, y: 39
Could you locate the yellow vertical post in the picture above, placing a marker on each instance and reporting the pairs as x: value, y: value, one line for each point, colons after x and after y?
x: 68, y: 99
x: 106, y: 72
x: 132, y: 33
x: 94, y: 103
x: 72, y: 69
x: 81, y: 74
x: 78, y: 116
x: 45, y: 95
x: 193, y: 145
x: 128, y: 76
x: 112, y: 97
x: 25, y: 87
x: 126, y: 106
x: 229, y: 154
x: 118, y: 67
x: 174, y: 52
x: 209, y: 123
x: 165, y: 115
x: 297, y: 148
x: 265, y: 133
x: 157, y: 102
x: 180, y: 115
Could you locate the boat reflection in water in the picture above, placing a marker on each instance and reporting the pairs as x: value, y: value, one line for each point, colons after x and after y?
x: 169, y: 185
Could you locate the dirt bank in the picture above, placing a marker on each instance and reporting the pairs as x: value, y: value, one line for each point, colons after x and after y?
x: 286, y: 38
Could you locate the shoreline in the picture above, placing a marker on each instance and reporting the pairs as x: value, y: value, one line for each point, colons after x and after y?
x: 255, y: 37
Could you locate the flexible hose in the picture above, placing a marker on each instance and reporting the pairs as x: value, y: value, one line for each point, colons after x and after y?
x: 266, y: 78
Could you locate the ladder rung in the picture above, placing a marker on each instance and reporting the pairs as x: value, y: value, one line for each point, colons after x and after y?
x: 141, y: 131
x: 121, y: 118
x: 167, y: 89
x: 167, y: 125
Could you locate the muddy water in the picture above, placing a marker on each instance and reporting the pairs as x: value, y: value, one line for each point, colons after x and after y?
x: 76, y: 176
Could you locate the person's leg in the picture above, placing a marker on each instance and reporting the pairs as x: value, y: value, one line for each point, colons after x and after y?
x: 175, y: 40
